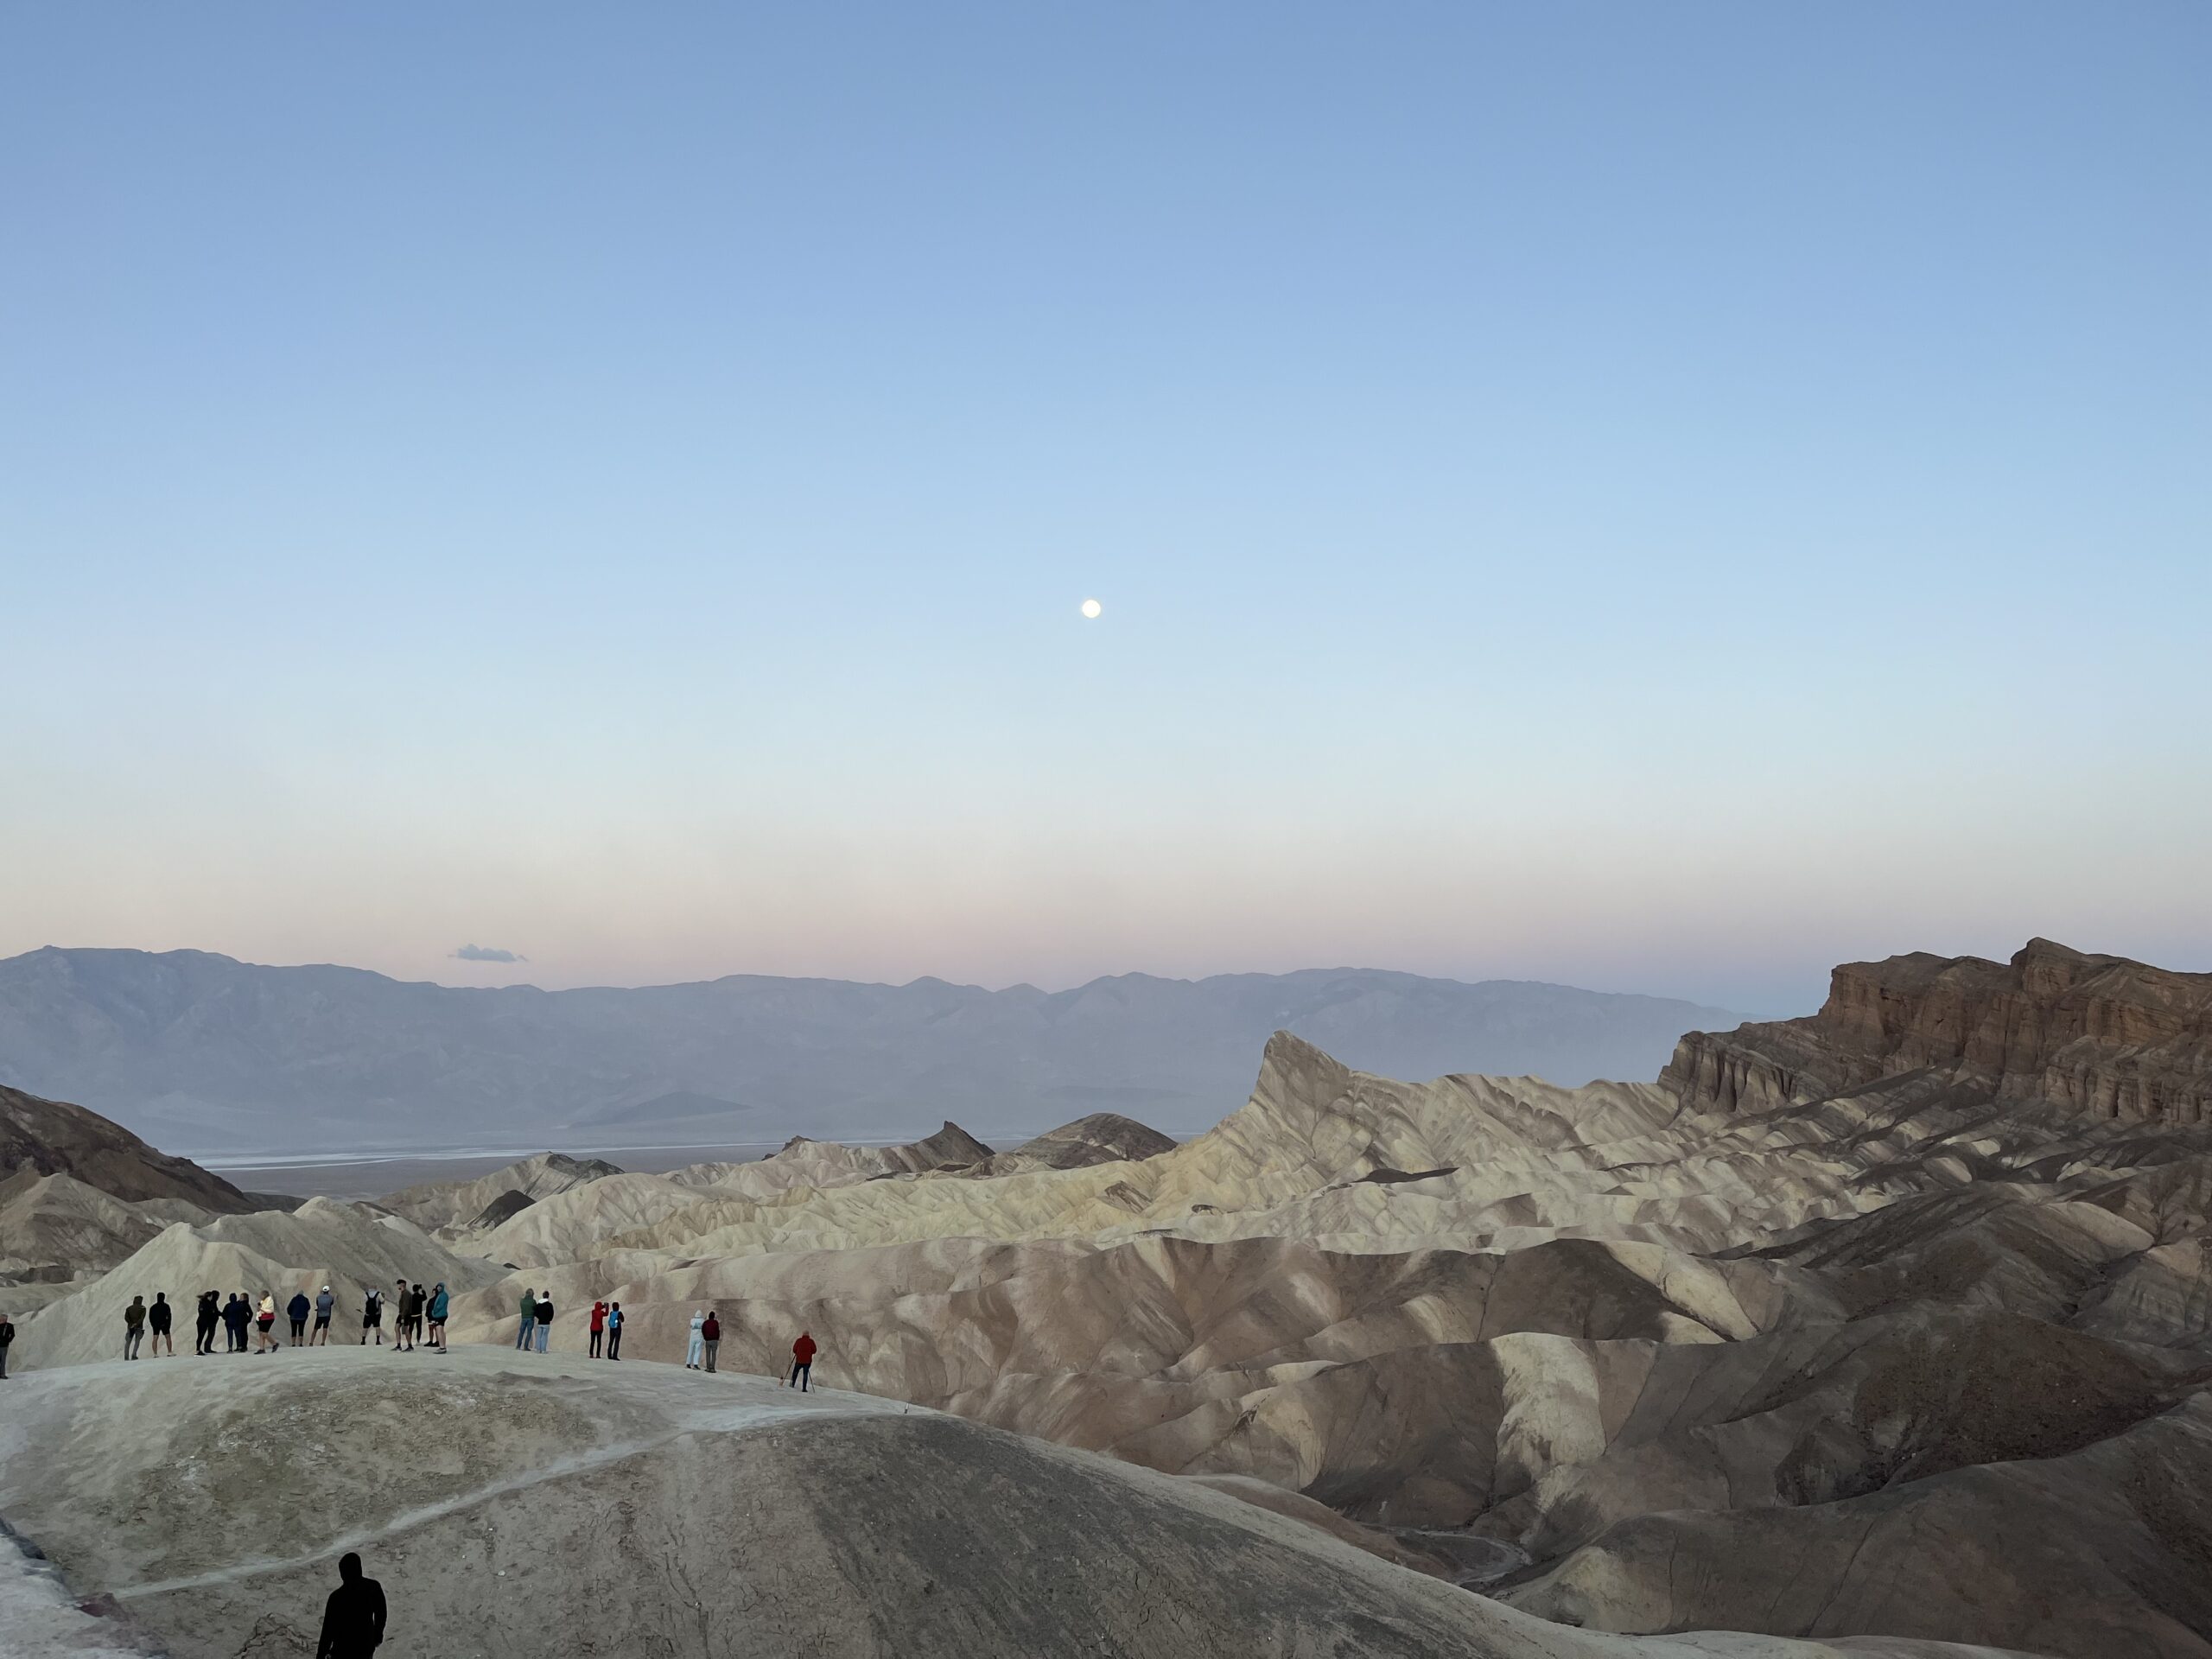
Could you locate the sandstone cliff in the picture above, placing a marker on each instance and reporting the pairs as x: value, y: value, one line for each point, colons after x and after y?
x: 2096, y: 1037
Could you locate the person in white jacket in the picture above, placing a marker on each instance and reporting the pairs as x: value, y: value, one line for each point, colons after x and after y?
x: 695, y: 1356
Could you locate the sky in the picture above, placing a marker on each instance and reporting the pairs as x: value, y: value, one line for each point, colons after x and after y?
x: 1659, y: 499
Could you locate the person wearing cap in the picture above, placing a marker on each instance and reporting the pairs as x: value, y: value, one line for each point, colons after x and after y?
x: 325, y: 1304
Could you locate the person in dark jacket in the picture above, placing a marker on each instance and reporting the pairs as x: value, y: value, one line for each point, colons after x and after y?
x: 296, y: 1312
x: 157, y: 1323
x: 545, y: 1318
x: 134, y: 1326
x: 7, y: 1341
x: 353, y: 1619
x: 803, y: 1352
x: 614, y: 1317
x: 206, y: 1317
x: 711, y: 1337
x: 237, y: 1312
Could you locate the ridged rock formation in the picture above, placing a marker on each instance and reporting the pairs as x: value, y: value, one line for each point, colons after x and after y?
x: 1876, y: 1327
x: 2097, y: 1036
x: 51, y: 1137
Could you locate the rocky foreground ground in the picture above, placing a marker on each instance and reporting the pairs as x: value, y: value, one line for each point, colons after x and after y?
x: 1892, y: 1325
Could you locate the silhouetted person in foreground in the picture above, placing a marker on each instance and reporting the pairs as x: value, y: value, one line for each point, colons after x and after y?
x: 235, y: 1313
x: 614, y: 1317
x: 7, y: 1341
x: 802, y: 1364
x: 157, y: 1323
x: 353, y: 1619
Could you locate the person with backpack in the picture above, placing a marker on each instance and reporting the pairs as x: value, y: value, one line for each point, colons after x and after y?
x: 597, y: 1326
x: 296, y: 1311
x: 134, y: 1326
x: 205, y: 1317
x: 803, y: 1352
x: 438, y: 1305
x: 710, y: 1334
x: 373, y: 1316
x: 7, y: 1341
x: 614, y: 1330
x: 325, y: 1306
x: 157, y: 1322
x: 544, y: 1319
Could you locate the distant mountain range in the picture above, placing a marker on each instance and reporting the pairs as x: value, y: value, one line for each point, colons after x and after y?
x: 203, y: 1053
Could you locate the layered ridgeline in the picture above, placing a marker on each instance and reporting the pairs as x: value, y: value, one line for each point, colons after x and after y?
x: 1842, y: 1329
x: 206, y: 1053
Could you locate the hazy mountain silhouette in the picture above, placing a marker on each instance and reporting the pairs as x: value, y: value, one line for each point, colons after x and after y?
x: 201, y: 1051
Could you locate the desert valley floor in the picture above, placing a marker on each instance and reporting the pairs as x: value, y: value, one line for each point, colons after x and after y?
x: 1885, y: 1331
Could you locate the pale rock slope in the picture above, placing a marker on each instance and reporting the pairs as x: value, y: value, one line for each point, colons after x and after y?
x: 500, y: 1497
x: 349, y: 1247
x: 460, y: 1205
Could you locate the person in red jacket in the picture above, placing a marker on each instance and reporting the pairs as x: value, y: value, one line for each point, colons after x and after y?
x: 802, y: 1364
x: 597, y: 1326
x: 710, y: 1334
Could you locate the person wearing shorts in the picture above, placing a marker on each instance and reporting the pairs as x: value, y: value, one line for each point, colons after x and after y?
x: 372, y: 1318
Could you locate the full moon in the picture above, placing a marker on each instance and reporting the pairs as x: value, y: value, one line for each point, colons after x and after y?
x: 1092, y: 608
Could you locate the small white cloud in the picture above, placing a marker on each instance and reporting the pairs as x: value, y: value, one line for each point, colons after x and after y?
x: 486, y: 953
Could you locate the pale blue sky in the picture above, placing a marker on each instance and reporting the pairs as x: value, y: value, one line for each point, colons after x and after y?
x: 1658, y: 498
